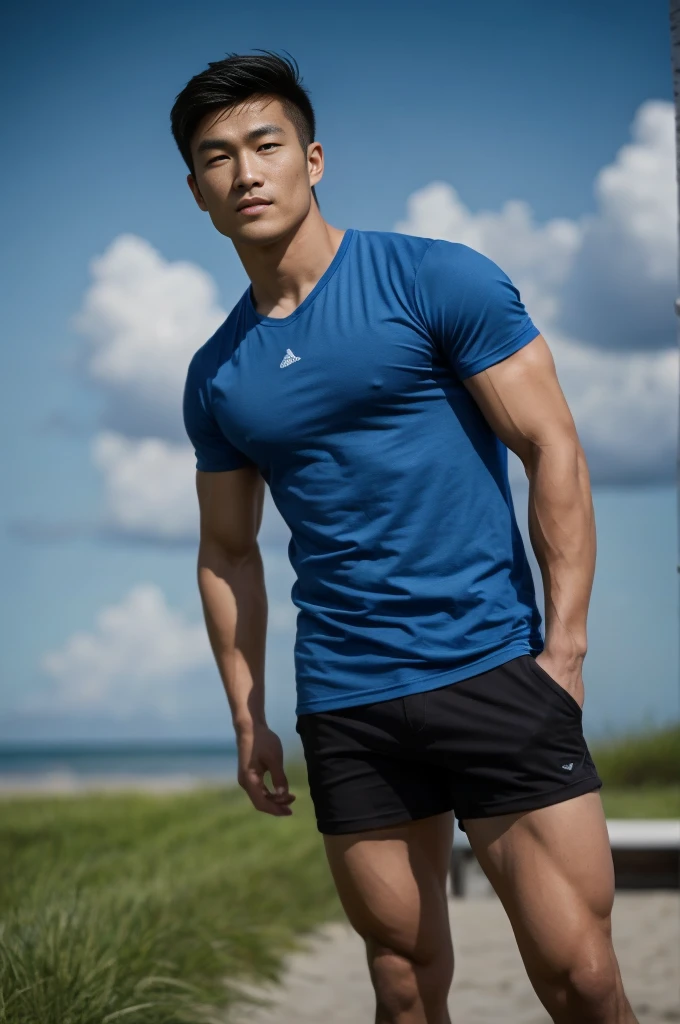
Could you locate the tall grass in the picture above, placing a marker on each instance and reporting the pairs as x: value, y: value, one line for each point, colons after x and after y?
x: 144, y: 909
x: 139, y: 908
x: 647, y: 758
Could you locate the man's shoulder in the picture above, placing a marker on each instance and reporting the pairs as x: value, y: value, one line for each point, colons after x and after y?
x: 220, y: 346
x: 413, y: 249
x: 396, y: 244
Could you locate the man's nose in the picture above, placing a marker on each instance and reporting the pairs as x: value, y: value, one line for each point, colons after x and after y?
x: 247, y: 175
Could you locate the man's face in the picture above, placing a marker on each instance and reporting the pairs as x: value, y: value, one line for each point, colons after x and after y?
x: 252, y: 150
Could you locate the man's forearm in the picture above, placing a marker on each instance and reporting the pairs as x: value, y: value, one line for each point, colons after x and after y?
x: 562, y: 532
x: 235, y: 608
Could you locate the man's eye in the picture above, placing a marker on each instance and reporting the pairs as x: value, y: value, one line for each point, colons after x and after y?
x: 214, y: 160
x: 265, y: 144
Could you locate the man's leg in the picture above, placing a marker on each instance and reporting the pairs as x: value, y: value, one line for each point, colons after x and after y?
x: 392, y: 884
x: 552, y: 870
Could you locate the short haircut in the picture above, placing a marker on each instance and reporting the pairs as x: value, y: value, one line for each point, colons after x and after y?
x: 228, y: 82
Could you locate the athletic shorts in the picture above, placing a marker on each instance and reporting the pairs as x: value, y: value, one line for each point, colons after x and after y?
x: 506, y: 740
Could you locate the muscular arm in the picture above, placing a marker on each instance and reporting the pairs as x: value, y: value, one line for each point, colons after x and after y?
x: 231, y: 584
x: 232, y: 589
x: 523, y: 403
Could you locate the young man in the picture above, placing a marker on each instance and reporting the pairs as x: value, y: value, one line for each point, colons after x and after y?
x: 375, y: 381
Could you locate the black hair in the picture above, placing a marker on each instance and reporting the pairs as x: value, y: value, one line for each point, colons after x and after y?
x: 228, y: 82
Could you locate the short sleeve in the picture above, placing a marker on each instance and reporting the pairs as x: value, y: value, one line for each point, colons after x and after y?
x: 470, y: 307
x: 214, y: 453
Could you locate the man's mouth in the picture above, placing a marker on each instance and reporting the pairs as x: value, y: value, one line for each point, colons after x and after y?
x: 256, y: 206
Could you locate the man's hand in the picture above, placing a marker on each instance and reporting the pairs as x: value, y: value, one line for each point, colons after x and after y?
x: 259, y: 752
x: 566, y: 670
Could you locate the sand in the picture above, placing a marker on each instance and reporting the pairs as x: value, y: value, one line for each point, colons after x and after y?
x: 328, y: 982
x: 65, y: 783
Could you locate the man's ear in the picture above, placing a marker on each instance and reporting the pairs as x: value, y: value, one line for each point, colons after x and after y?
x: 200, y: 201
x: 315, y: 162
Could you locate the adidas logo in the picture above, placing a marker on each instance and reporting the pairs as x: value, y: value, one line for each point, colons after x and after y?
x: 288, y: 359
x: 568, y: 767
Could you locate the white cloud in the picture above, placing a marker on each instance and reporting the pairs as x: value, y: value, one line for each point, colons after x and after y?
x: 608, y: 280
x: 133, y: 659
x: 623, y: 283
x: 625, y: 407
x: 148, y: 486
x: 150, y: 492
x: 613, y: 277
x: 144, y: 318
x: 144, y: 657
x: 537, y: 257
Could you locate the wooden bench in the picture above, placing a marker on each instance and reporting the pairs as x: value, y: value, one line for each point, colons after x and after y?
x: 646, y: 855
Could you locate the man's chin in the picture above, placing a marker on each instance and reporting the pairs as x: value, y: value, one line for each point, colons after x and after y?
x: 258, y: 232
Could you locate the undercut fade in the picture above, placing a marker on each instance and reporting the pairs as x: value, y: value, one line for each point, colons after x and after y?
x: 228, y: 82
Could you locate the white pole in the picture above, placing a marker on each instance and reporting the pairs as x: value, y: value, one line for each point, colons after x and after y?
x: 675, y: 59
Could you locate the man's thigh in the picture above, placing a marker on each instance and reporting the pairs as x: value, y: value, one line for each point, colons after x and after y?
x: 392, y: 885
x: 552, y: 869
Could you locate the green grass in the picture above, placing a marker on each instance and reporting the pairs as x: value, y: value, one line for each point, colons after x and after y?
x: 137, y: 908
x: 641, y: 773
x: 141, y: 909
x: 641, y: 802
x: 650, y: 757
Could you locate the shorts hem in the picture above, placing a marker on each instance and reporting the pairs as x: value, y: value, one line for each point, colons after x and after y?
x: 535, y: 803
x: 348, y: 827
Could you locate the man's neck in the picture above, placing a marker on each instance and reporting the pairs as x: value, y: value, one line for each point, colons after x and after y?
x: 284, y: 273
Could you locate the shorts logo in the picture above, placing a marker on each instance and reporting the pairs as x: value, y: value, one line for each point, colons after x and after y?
x: 568, y: 767
x: 288, y: 359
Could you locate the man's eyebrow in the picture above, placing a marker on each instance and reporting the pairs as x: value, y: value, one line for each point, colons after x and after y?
x: 254, y: 134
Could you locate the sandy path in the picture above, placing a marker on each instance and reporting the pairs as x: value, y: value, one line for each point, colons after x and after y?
x: 328, y: 984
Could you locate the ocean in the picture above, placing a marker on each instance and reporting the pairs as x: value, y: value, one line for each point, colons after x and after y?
x: 65, y: 767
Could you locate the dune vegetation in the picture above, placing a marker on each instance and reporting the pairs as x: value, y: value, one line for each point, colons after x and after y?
x: 148, y: 909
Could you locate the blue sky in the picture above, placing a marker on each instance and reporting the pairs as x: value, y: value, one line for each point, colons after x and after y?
x: 538, y: 133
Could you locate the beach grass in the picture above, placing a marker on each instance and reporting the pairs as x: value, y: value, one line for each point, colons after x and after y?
x: 136, y: 908
x: 148, y: 909
x: 641, y: 801
x: 646, y: 757
x: 641, y: 773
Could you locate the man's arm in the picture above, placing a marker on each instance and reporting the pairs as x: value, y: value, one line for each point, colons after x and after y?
x: 523, y: 403
x: 232, y: 588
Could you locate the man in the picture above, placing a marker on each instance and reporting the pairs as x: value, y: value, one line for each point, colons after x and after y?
x: 375, y: 382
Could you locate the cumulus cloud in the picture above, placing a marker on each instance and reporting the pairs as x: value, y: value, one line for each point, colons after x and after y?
x: 133, y: 658
x: 537, y: 257
x: 144, y: 657
x: 150, y: 493
x: 148, y: 487
x: 608, y: 280
x: 601, y: 289
x: 625, y: 408
x: 143, y: 318
x: 621, y: 290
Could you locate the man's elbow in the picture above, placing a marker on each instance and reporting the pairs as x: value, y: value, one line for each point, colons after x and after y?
x: 560, y: 449
x: 232, y: 551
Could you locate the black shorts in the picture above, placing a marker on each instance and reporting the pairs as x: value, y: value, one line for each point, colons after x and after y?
x: 506, y: 740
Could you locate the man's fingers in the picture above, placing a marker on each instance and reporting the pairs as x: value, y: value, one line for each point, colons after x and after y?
x: 261, y: 798
x: 279, y: 780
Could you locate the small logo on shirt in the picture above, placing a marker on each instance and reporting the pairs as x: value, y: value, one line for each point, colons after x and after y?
x: 289, y: 358
x: 568, y: 767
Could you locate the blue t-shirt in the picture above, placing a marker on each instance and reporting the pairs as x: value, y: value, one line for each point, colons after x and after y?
x: 411, y: 571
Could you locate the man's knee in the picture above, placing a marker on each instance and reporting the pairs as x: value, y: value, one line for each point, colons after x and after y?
x: 590, y: 990
x: 402, y: 984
